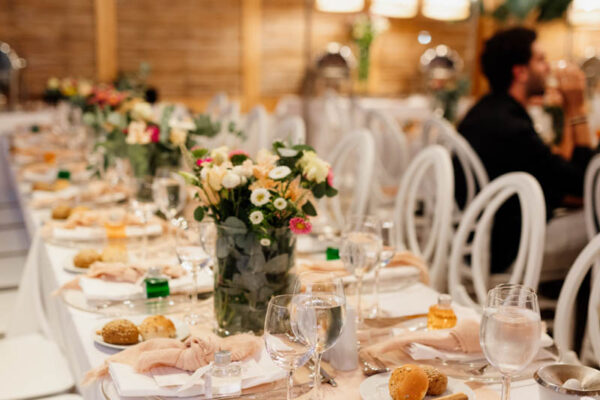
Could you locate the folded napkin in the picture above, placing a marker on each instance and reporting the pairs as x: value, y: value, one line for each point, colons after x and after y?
x: 401, y: 259
x: 463, y: 338
x: 83, y: 233
x: 43, y: 199
x: 190, y: 355
x: 173, y: 382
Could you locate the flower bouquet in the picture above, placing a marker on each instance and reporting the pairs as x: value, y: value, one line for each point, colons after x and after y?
x: 258, y: 207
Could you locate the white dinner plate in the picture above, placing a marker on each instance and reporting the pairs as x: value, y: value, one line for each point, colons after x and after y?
x: 181, y: 328
x: 70, y: 267
x: 376, y: 388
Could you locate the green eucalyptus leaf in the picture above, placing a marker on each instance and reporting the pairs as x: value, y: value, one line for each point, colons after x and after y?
x: 199, y: 213
x: 309, y: 209
x: 331, y: 192
x: 234, y: 225
x: 319, y: 189
x: 189, y: 178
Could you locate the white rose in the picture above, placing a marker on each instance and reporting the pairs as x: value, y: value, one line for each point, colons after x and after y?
x: 220, y: 155
x: 53, y: 83
x: 260, y: 197
x: 313, y: 167
x: 137, y: 133
x: 178, y: 136
x: 142, y: 110
x: 231, y: 180
x: 215, y: 178
x: 84, y: 88
x: 279, y: 172
x: 256, y: 217
x: 265, y: 242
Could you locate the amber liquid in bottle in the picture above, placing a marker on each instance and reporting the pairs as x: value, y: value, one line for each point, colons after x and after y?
x: 441, y: 315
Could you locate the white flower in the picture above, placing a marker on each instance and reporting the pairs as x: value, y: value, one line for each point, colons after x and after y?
x: 84, y: 88
x: 231, y: 180
x: 313, y: 168
x: 264, y: 156
x: 215, y: 178
x: 53, y: 83
x: 260, y: 197
x: 279, y: 172
x: 142, y: 110
x: 265, y: 242
x: 256, y: 217
x: 204, y: 174
x: 220, y: 155
x: 178, y: 136
x: 137, y: 133
x: 280, y: 203
x: 244, y: 170
x: 185, y: 124
x: 286, y: 152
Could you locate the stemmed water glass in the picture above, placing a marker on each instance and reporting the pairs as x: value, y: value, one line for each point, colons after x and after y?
x: 143, y: 206
x: 510, y: 330
x: 360, y: 251
x: 192, y: 248
x: 286, y: 349
x: 319, y: 317
x: 169, y: 193
x: 388, y: 250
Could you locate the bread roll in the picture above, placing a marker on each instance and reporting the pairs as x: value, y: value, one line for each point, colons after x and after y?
x: 157, y: 326
x: 85, y: 258
x: 408, y: 382
x: 120, y: 331
x: 438, y: 382
x: 61, y: 211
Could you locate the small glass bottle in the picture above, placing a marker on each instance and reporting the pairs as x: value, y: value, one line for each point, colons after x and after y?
x: 441, y: 315
x: 332, y: 253
x: 225, y: 376
x: 156, y: 285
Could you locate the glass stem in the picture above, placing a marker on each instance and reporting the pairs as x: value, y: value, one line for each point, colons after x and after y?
x: 376, y: 290
x: 505, y: 387
x: 359, y: 284
x: 290, y: 384
x: 195, y: 290
x: 317, y: 378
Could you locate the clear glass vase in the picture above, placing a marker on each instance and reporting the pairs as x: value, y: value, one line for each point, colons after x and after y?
x: 247, y: 274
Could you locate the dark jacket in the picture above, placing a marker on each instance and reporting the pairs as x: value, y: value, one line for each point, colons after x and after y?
x: 502, y: 134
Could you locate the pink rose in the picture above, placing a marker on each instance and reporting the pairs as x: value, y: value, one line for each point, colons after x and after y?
x: 238, y: 152
x: 154, y: 133
x: 202, y: 161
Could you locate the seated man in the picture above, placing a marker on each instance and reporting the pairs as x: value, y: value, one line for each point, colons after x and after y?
x: 502, y: 133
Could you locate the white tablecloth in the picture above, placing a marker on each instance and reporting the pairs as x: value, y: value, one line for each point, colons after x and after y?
x: 37, y: 310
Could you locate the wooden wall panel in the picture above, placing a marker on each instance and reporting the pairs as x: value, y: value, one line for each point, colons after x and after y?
x: 55, y: 37
x: 193, y: 46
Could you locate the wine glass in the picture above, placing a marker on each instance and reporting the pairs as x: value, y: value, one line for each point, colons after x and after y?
x: 143, y: 206
x: 510, y: 330
x: 320, y: 316
x: 360, y: 251
x: 286, y: 349
x: 169, y: 193
x: 388, y: 250
x: 194, y: 256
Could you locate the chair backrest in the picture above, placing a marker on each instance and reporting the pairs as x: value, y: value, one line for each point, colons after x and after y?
x: 355, y: 151
x: 437, y: 130
x: 591, y: 198
x: 290, y: 129
x: 434, y: 161
x: 563, y: 319
x: 479, y: 217
x: 217, y: 104
x: 329, y: 122
x: 391, y: 146
x: 256, y: 129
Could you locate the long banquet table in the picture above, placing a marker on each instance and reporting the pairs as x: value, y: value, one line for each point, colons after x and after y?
x: 37, y: 310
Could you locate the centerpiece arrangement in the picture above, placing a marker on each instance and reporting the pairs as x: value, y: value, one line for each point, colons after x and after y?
x: 258, y: 206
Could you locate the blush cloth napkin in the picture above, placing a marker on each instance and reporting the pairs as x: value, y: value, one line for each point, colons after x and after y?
x: 463, y: 338
x: 172, y: 382
x: 401, y: 259
x: 85, y: 233
x: 190, y: 355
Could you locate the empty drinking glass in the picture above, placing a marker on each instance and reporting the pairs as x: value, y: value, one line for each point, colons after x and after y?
x: 510, y: 330
x: 283, y: 346
x: 169, y: 193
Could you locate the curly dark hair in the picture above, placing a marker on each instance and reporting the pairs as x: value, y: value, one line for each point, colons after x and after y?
x: 502, y: 52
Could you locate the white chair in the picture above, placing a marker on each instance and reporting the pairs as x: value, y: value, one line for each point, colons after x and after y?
x: 31, y: 367
x: 392, y: 155
x: 439, y: 131
x: 217, y: 104
x: 329, y: 120
x: 290, y: 129
x: 256, y: 129
x: 352, y: 162
x: 591, y: 197
x: 479, y: 217
x: 563, y: 319
x: 434, y: 159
